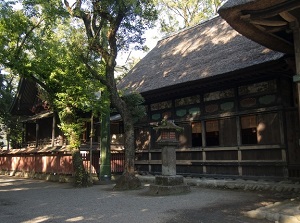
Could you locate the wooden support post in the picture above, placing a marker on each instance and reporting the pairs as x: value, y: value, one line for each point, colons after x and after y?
x: 281, y: 128
x: 23, y: 134
x: 91, y: 143
x: 296, y: 31
x: 204, y: 160
x: 284, y: 146
x: 239, y: 143
x: 149, y: 160
x: 203, y: 127
x: 36, y: 134
x: 294, y: 25
x: 53, y: 130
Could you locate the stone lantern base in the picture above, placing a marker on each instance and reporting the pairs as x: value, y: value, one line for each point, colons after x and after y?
x: 168, y: 185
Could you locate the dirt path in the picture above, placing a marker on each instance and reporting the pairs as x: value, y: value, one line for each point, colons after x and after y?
x: 25, y: 200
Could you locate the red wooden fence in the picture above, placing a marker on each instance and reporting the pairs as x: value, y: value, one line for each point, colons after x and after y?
x: 117, y: 161
x: 38, y: 163
x: 57, y: 163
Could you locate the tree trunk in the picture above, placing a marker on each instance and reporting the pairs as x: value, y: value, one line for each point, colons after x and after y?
x: 128, y: 180
x: 129, y: 145
x: 81, y: 176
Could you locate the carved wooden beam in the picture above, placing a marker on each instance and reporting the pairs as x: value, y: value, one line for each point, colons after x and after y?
x: 273, y: 10
x: 265, y: 22
x: 288, y: 16
x: 269, y: 29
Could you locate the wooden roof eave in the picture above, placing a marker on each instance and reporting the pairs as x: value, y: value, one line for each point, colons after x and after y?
x: 248, y: 17
x: 24, y: 98
x: 13, y: 106
x: 42, y: 115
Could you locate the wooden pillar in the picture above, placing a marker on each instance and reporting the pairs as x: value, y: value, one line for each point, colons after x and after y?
x: 53, y: 130
x: 283, y: 143
x: 91, y: 143
x: 239, y: 143
x: 23, y: 134
x: 8, y: 139
x: 296, y: 31
x: 36, y: 133
x: 203, y: 128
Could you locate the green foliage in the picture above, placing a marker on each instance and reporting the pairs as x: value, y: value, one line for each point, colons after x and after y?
x: 39, y: 41
x: 114, y: 25
x: 8, y: 85
x: 9, y: 125
x: 139, y: 16
x: 38, y: 44
x: 135, y: 105
x: 25, y: 33
x: 179, y: 14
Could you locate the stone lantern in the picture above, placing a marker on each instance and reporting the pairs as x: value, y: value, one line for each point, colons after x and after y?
x: 168, y: 183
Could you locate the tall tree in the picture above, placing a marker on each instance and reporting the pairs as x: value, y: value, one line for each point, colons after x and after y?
x: 9, y: 125
x: 36, y: 43
x: 74, y: 94
x: 179, y: 14
x: 112, y: 26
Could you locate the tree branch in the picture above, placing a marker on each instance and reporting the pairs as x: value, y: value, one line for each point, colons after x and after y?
x: 92, y: 31
x: 19, y: 48
x: 95, y: 74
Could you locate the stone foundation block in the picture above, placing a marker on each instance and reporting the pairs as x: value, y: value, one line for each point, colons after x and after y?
x: 168, y: 190
x: 169, y: 180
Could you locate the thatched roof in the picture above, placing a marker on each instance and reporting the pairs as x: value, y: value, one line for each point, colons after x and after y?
x: 209, y: 49
x: 234, y: 3
x: 267, y: 22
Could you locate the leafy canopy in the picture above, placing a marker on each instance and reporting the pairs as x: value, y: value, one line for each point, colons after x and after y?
x: 179, y: 14
x: 39, y: 41
x: 9, y: 125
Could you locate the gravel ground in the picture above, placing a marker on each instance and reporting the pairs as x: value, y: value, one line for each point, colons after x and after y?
x: 26, y: 200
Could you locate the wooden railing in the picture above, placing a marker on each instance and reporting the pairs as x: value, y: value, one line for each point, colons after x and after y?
x: 240, y: 161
